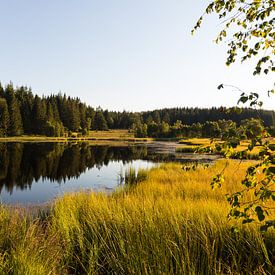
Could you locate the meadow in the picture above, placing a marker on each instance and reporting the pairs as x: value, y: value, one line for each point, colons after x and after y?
x: 167, y: 221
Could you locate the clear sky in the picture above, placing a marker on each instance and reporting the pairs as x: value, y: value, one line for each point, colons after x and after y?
x: 120, y: 54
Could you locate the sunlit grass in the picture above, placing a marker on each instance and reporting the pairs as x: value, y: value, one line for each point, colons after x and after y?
x: 193, y: 145
x: 169, y: 223
x: 111, y: 135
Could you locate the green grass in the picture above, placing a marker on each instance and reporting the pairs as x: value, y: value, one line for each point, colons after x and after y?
x: 169, y: 223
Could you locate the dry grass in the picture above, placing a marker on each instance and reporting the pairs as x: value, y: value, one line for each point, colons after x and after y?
x: 194, y: 144
x: 94, y: 136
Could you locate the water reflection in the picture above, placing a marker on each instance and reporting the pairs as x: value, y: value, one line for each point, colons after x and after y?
x: 23, y: 163
x: 38, y: 172
x: 31, y: 172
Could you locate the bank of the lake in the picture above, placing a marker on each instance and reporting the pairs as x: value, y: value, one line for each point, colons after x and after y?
x: 170, y: 222
x: 92, y: 136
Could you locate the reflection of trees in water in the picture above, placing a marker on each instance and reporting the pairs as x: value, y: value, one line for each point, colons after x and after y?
x: 23, y: 163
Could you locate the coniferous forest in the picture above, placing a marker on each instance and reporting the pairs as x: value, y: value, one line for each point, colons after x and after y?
x: 23, y: 112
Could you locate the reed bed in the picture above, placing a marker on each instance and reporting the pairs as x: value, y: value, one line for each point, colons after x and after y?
x: 170, y: 222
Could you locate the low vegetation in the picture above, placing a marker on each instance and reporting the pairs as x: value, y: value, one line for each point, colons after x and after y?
x: 168, y: 221
x: 91, y: 136
x: 197, y: 145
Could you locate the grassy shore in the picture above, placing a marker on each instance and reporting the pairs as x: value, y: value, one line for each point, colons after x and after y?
x: 193, y: 145
x: 93, y: 136
x: 170, y: 223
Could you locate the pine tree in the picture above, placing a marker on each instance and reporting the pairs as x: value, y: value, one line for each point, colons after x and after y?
x: 15, y: 121
x: 4, y: 117
x: 74, y: 116
x: 99, y: 121
x: 39, y: 115
x: 25, y: 99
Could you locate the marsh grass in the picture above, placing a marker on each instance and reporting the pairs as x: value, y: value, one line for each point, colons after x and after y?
x: 169, y: 223
x: 133, y: 176
x: 93, y: 136
x: 195, y: 145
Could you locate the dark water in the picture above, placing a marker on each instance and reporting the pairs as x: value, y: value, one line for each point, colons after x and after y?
x: 39, y: 172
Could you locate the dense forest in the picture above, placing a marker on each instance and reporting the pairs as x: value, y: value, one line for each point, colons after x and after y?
x: 22, y: 112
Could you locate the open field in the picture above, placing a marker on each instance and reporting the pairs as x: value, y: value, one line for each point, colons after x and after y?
x: 169, y: 223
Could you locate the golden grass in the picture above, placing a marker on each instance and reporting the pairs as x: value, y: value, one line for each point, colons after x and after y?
x: 171, y: 223
x: 193, y: 144
x: 93, y: 136
x: 111, y: 134
x: 196, y: 141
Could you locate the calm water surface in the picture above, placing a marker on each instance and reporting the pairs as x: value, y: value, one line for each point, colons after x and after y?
x: 39, y: 172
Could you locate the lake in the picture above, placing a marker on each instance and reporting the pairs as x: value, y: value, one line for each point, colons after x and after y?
x: 33, y: 173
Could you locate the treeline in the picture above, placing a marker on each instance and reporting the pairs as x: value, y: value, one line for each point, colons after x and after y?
x: 22, y: 112
x: 224, y: 129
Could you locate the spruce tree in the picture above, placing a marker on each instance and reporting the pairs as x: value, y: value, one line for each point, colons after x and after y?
x: 15, y: 121
x: 39, y: 115
x: 4, y: 117
x: 99, y: 121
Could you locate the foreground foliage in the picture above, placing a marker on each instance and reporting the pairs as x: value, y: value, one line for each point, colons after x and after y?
x: 169, y: 223
x: 248, y: 26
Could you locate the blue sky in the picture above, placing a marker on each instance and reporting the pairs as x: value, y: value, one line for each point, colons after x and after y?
x: 120, y: 54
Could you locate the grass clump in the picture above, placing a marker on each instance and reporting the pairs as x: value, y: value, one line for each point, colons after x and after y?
x: 26, y: 246
x: 133, y: 177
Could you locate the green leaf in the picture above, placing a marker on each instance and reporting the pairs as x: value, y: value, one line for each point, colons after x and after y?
x: 271, y: 147
x: 271, y: 170
x: 248, y: 221
x: 260, y: 213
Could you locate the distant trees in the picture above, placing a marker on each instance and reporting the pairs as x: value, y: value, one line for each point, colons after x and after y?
x: 140, y: 130
x: 22, y: 112
x: 223, y: 129
x: 15, y: 120
x: 188, y: 116
x: 55, y: 115
x: 99, y: 120
x: 4, y: 117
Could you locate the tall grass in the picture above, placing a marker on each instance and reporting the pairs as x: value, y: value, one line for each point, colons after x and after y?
x: 134, y: 177
x: 26, y: 246
x: 170, y: 223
